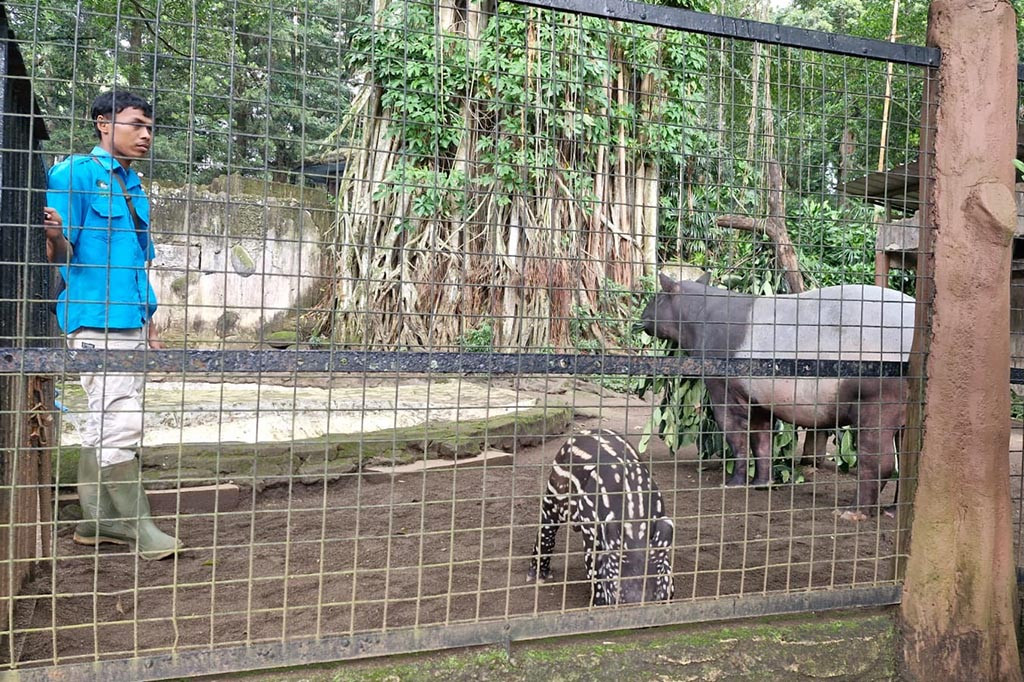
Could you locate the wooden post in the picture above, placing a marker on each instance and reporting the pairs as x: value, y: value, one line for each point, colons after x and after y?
x: 882, y: 266
x: 959, y: 593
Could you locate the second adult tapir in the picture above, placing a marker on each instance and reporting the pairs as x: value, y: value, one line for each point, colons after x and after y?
x: 847, y: 322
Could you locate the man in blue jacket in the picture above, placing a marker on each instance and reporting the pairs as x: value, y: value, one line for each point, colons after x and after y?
x: 103, y: 251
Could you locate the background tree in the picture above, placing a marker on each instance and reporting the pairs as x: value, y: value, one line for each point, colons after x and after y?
x: 504, y: 169
x: 249, y: 89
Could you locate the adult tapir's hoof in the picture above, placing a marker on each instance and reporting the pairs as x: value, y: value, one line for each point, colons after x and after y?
x: 736, y: 480
x: 854, y: 515
x: 857, y: 515
x: 762, y: 484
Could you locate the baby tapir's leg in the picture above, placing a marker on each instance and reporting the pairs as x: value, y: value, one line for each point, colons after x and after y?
x: 554, y: 513
x: 598, y: 595
x: 661, y: 558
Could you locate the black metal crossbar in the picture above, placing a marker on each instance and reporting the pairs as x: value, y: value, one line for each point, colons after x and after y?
x: 745, y: 29
x: 44, y: 361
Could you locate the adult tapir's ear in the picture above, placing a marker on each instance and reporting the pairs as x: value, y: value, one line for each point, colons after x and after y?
x: 667, y: 283
x: 704, y: 279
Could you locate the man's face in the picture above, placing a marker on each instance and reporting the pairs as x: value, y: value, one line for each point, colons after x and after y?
x: 130, y: 133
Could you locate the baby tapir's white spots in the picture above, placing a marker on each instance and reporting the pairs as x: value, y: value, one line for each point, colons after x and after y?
x: 599, y: 483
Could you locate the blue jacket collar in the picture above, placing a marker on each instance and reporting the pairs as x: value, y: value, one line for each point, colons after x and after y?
x: 105, y: 158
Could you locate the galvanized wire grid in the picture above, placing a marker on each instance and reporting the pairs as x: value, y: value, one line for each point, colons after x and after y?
x: 1017, y: 381
x: 430, y: 179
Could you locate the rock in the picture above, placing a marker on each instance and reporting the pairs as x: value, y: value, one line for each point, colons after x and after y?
x: 241, y: 261
x: 281, y: 339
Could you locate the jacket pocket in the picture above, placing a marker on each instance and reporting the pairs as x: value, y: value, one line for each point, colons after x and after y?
x: 109, y: 207
x: 106, y: 216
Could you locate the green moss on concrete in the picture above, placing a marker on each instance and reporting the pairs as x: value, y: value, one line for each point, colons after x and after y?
x: 281, y: 339
x: 254, y: 205
x: 316, y: 469
x: 227, y: 324
x: 457, y: 440
x: 856, y: 645
x: 181, y: 285
x: 258, y: 187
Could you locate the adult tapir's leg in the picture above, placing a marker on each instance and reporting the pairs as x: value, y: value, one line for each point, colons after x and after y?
x: 732, y: 415
x: 876, y: 460
x: 880, y: 416
x: 761, y: 444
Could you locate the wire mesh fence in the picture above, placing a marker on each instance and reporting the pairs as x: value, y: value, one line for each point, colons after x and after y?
x: 402, y: 252
x: 1017, y: 364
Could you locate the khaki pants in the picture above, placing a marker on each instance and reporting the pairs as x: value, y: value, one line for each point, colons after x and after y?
x: 114, y: 423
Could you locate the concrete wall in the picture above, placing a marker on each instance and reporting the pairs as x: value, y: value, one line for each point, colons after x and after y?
x: 236, y: 256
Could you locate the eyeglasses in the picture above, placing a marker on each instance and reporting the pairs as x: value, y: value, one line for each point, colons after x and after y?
x: 132, y: 124
x: 136, y: 124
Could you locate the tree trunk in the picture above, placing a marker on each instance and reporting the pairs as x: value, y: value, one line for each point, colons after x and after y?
x: 847, y: 149
x: 773, y: 227
x: 527, y: 260
x: 959, y: 593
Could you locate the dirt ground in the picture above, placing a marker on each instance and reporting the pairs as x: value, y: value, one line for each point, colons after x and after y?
x: 449, y: 546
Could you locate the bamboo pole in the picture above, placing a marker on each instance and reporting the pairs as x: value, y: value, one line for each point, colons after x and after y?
x: 884, y: 138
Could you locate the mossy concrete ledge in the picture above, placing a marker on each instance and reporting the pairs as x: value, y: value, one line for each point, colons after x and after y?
x: 263, y: 464
x: 854, y: 645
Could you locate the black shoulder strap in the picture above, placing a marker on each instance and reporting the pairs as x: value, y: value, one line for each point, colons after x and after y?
x: 139, y: 230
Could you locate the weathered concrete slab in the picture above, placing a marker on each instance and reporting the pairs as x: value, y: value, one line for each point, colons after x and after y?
x: 206, y: 412
x: 488, y: 458
x: 204, y: 499
x: 327, y: 458
x: 860, y: 645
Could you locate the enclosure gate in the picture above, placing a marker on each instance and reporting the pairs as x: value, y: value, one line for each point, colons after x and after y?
x: 25, y: 478
x: 303, y: 551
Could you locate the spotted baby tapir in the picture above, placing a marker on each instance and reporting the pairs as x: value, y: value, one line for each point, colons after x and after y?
x: 599, y: 484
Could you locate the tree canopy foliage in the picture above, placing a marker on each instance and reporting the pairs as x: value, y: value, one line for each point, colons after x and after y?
x: 238, y: 86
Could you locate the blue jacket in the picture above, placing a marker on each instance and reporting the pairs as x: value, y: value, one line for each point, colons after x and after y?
x: 107, y: 286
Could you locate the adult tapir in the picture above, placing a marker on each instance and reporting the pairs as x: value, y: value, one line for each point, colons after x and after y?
x: 847, y: 322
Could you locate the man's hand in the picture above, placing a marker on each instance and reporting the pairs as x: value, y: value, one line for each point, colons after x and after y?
x: 153, y: 338
x: 57, y: 248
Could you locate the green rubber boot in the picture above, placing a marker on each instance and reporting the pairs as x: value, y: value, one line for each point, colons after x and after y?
x: 99, y: 522
x: 123, y: 483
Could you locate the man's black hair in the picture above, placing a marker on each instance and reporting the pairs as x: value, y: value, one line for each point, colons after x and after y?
x: 113, y: 102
